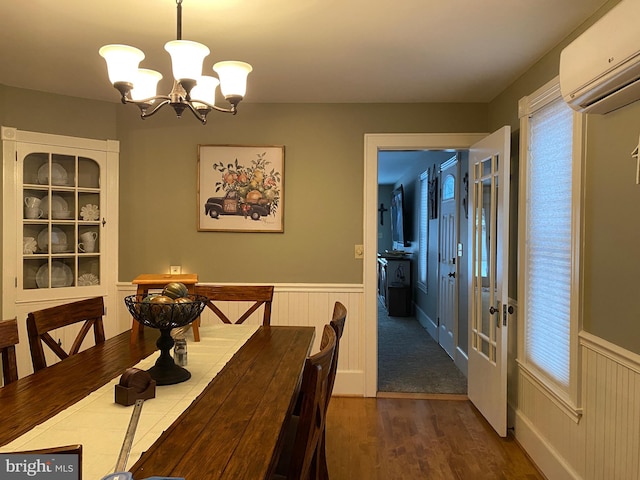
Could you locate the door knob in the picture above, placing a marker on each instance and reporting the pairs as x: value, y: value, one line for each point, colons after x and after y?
x: 493, y: 310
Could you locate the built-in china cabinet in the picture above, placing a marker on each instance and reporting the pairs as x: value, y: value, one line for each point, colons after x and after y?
x: 60, y: 224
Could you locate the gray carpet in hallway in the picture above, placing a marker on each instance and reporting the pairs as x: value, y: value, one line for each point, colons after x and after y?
x: 410, y: 361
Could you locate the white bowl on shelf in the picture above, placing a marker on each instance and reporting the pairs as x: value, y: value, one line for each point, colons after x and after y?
x: 59, y: 248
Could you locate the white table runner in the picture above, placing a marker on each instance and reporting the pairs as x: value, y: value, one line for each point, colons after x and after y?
x: 100, y: 424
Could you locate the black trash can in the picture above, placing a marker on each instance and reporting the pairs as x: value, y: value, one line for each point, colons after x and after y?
x: 399, y: 298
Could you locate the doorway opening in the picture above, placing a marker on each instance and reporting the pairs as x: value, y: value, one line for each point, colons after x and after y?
x: 417, y: 253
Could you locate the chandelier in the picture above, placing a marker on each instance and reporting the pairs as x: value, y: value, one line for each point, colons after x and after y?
x: 191, y: 90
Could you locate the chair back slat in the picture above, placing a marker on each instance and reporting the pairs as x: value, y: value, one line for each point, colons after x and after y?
x: 261, y: 295
x: 8, y: 339
x: 41, y: 322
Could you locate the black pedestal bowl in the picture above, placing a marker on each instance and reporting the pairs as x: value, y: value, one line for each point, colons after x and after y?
x: 165, y: 317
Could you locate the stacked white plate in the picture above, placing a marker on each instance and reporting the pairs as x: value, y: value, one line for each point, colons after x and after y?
x: 58, y: 174
x: 59, y: 206
x: 58, y: 240
x: 61, y: 275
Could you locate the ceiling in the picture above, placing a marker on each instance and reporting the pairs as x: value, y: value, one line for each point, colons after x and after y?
x: 302, y: 50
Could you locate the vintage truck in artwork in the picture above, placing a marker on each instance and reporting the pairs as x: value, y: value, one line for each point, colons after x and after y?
x: 232, y: 204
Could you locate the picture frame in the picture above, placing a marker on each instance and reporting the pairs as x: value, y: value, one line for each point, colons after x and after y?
x: 240, y: 188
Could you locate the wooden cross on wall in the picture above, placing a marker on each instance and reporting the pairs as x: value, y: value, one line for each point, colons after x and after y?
x: 382, y: 210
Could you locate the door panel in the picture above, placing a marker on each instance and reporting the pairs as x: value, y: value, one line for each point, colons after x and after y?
x: 488, y: 284
x: 448, y: 283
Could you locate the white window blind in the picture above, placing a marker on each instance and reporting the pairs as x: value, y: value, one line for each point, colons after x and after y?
x: 424, y: 214
x: 549, y: 242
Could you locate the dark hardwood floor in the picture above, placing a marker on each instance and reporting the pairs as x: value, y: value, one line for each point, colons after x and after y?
x: 424, y: 438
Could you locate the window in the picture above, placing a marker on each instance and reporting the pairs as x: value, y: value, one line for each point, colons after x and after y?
x: 424, y: 231
x: 449, y: 188
x: 550, y: 187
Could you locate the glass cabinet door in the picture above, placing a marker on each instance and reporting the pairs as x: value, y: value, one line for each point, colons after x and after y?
x: 60, y: 206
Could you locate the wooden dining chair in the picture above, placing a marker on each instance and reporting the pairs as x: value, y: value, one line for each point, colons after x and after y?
x: 338, y: 320
x: 8, y: 340
x: 41, y: 322
x: 259, y: 295
x: 298, y: 460
x: 64, y: 450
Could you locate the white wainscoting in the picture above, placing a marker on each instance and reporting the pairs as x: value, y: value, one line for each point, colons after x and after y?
x: 605, y: 443
x: 307, y: 305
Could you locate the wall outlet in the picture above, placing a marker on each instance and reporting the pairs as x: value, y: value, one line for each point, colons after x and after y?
x: 175, y: 269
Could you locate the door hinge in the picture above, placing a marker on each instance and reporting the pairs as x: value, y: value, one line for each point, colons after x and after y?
x: 16, y: 282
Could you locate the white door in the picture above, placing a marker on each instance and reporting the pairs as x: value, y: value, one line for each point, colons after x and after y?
x: 447, y: 272
x: 488, y: 278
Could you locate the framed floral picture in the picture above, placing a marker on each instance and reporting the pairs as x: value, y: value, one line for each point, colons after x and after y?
x: 240, y: 188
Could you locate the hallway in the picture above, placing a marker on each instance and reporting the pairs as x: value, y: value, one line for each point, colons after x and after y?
x: 410, y: 361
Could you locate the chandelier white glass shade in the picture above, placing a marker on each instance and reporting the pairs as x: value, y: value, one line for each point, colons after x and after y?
x: 191, y: 90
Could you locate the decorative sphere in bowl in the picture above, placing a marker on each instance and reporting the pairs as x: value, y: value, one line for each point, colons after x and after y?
x: 159, y: 311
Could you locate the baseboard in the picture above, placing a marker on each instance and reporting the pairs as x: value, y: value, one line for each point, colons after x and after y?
x: 541, y: 453
x: 429, y: 325
x: 424, y: 396
x: 349, y: 383
x: 462, y: 361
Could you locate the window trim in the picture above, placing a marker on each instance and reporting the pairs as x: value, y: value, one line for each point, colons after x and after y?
x: 570, y: 398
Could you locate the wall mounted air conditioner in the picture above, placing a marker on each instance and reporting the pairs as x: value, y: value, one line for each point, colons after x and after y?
x: 600, y: 70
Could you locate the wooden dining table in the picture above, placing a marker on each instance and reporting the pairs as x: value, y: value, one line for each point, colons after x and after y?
x: 233, y: 430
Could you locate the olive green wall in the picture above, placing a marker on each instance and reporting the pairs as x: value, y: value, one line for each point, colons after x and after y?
x: 57, y: 114
x: 612, y: 232
x: 323, y: 188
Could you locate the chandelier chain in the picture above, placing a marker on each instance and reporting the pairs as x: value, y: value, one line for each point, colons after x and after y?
x: 179, y: 17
